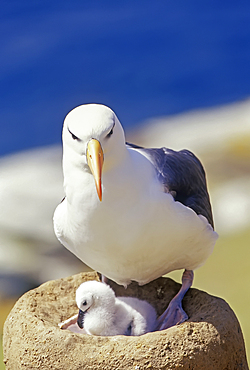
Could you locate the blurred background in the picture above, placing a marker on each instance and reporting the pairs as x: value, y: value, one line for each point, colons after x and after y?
x: 176, y: 73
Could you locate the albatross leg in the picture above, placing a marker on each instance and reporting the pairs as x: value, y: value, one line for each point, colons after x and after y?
x: 104, y: 279
x: 175, y: 314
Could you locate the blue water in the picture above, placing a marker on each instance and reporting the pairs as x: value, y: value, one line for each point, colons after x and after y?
x: 142, y: 58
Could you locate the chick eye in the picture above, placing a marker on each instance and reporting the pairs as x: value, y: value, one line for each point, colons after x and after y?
x: 84, y: 303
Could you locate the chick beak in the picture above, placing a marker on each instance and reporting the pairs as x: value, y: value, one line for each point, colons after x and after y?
x: 95, y: 162
x: 80, y: 319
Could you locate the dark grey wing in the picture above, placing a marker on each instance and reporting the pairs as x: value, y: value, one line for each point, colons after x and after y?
x: 182, y: 175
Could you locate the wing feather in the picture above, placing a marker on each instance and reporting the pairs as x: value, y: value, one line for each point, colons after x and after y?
x: 182, y: 175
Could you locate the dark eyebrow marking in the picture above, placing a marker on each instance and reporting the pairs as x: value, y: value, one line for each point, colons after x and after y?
x: 73, y: 135
x: 111, y: 131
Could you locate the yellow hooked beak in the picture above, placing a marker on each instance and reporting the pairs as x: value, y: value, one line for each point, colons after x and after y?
x: 95, y: 162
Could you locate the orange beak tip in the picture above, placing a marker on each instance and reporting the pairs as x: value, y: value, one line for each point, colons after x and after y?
x: 99, y: 192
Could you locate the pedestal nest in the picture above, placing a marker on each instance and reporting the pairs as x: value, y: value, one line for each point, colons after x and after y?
x: 210, y: 339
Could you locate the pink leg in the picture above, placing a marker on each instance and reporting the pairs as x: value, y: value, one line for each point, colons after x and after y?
x: 175, y: 314
x: 71, y: 324
x: 104, y: 279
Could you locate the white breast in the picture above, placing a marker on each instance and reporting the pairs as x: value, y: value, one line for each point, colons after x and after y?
x: 137, y: 232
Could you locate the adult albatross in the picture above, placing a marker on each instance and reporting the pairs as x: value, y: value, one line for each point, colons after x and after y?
x: 130, y: 213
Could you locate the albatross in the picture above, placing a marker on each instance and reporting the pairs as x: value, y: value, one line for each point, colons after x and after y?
x: 132, y: 213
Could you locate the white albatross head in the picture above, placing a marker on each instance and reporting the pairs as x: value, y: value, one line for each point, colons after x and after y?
x: 93, y: 295
x: 93, y: 137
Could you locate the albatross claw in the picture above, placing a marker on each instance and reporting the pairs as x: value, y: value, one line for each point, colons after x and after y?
x: 174, y: 314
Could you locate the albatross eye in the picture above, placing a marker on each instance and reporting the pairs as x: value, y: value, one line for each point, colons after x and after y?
x: 110, y: 132
x: 84, y: 303
x: 74, y: 137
